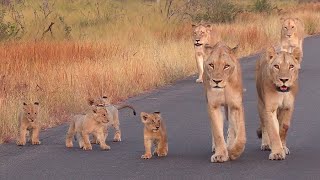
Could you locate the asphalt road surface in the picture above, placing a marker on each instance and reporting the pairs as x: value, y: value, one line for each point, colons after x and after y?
x: 184, y: 109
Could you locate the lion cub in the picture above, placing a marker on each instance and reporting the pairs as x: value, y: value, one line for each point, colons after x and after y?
x: 28, y: 121
x: 84, y: 125
x: 154, y: 133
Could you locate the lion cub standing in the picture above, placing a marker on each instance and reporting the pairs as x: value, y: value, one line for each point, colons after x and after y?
x: 84, y: 125
x: 292, y: 34
x: 277, y: 86
x: 28, y: 121
x: 154, y: 133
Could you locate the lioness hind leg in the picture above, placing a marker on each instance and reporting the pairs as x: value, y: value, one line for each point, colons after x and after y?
x: 221, y: 153
x: 285, y: 119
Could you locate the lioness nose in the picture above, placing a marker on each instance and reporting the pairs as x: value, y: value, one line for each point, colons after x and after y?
x: 289, y: 35
x: 217, y: 81
x: 197, y: 40
x: 284, y: 80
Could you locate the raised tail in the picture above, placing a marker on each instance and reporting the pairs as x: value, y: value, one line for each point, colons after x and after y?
x: 240, y: 140
x: 126, y: 106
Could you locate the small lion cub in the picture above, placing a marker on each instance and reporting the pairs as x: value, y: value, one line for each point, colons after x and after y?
x: 28, y: 121
x: 154, y: 133
x: 84, y: 125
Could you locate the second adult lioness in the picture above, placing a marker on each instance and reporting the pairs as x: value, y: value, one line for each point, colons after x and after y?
x: 223, y: 87
x: 202, y: 35
x: 83, y: 125
x: 277, y: 86
x: 154, y: 133
x: 292, y: 34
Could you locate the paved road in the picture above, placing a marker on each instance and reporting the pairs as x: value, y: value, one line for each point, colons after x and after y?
x: 183, y: 107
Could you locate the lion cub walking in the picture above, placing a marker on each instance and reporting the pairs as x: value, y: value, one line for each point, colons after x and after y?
x: 277, y: 86
x: 154, y: 133
x: 223, y: 87
x: 28, y: 121
x: 84, y: 125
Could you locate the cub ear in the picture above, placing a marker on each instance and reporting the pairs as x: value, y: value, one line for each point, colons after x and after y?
x: 297, y: 54
x: 36, y: 103
x: 271, y: 53
x: 144, y: 117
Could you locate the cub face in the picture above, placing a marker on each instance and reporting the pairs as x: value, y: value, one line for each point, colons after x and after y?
x: 101, y: 114
x: 152, y: 121
x: 30, y: 111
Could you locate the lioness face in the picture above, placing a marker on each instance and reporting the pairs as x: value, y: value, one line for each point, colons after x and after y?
x: 201, y: 35
x: 219, y: 65
x: 284, y: 68
x: 31, y: 111
x: 151, y: 121
x: 289, y: 28
x: 101, y: 114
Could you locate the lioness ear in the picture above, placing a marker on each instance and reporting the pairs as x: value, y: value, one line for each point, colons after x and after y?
x: 144, y: 117
x: 234, y: 50
x: 271, y: 53
x: 36, y: 103
x: 297, y: 54
x: 90, y: 101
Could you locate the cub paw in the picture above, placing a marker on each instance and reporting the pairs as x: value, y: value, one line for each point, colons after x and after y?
x: 219, y: 158
x: 146, y: 156
x: 105, y: 147
x: 21, y: 143
x: 116, y: 139
x: 36, y: 142
x: 87, y: 148
x: 277, y: 156
x: 286, y: 150
x: 69, y: 145
x: 265, y: 147
x: 199, y: 80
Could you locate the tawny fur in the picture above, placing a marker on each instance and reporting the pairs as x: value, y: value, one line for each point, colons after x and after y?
x: 292, y: 34
x: 154, y: 133
x: 28, y: 121
x: 202, y: 34
x: 223, y: 87
x: 277, y: 86
x: 113, y: 113
x: 84, y: 125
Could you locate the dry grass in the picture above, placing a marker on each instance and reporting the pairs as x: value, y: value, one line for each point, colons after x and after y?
x: 118, y: 58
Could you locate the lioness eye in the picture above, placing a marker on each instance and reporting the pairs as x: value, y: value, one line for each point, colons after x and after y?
x: 277, y: 66
x: 291, y: 66
x: 28, y: 113
x: 35, y: 113
x: 211, y: 65
x: 292, y: 26
x: 285, y: 28
x: 226, y: 66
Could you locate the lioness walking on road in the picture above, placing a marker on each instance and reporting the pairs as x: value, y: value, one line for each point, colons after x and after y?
x: 277, y: 86
x: 154, y: 133
x: 223, y: 87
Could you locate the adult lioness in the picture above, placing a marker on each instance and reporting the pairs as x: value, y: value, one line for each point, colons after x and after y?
x: 277, y: 86
x: 28, y: 121
x: 154, y: 133
x: 84, y: 125
x: 292, y: 34
x: 113, y: 113
x: 223, y: 87
x: 202, y: 34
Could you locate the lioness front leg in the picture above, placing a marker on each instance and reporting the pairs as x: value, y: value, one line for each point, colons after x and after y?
x: 147, y: 146
x: 221, y: 153
x: 199, y: 59
x: 35, y: 136
x: 272, y: 125
x: 265, y: 142
x: 86, y: 142
x: 285, y: 119
x: 22, y: 136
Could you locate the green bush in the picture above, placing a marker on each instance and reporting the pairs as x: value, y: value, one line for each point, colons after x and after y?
x: 262, y: 6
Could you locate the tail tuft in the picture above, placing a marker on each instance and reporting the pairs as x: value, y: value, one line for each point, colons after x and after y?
x: 134, y: 112
x: 259, y: 133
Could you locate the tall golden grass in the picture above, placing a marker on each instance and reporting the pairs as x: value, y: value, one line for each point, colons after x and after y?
x: 119, y: 58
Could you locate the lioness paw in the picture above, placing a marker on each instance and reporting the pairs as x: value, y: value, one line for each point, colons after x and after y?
x: 219, y: 158
x: 286, y: 150
x: 199, y: 80
x: 146, y: 156
x: 105, y: 147
x: 277, y: 156
x: 87, y: 148
x: 21, y: 143
x: 265, y: 147
x: 36, y: 142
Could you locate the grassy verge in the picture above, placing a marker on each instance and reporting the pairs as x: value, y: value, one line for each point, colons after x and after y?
x: 112, y: 47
